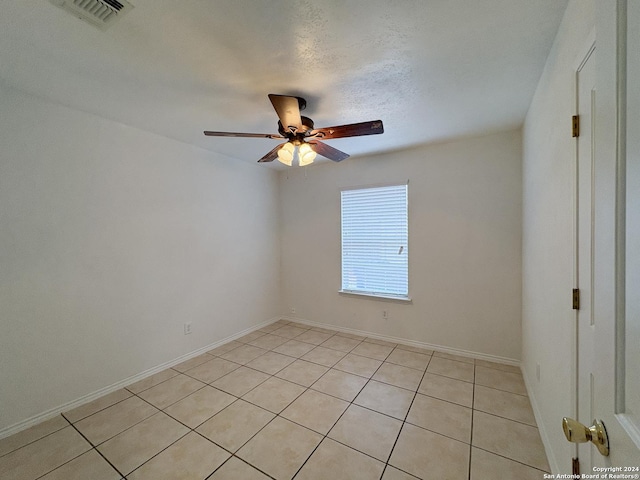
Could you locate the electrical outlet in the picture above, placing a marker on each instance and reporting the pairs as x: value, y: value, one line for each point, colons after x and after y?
x: 187, y: 328
x: 385, y: 314
x: 538, y: 371
x: 293, y: 310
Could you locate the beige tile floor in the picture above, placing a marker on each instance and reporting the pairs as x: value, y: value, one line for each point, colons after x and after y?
x: 290, y: 401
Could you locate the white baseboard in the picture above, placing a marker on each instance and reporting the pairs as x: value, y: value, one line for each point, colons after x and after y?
x: 29, y: 422
x: 553, y: 462
x: 412, y: 343
x: 46, y: 415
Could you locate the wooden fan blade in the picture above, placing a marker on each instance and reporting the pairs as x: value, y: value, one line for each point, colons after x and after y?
x: 352, y: 130
x: 327, y: 151
x: 245, y: 135
x: 288, y: 110
x: 272, y: 155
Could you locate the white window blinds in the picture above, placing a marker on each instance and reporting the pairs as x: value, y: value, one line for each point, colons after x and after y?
x: 374, y: 241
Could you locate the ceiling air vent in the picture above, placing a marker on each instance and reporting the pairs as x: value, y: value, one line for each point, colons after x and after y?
x: 100, y: 13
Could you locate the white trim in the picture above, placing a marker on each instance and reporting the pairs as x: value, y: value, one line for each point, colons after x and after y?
x: 46, y: 415
x: 41, y: 417
x: 580, y: 61
x: 544, y: 436
x: 378, y: 296
x: 628, y: 423
x: 620, y: 319
x: 588, y: 47
x: 376, y: 185
x: 411, y: 343
x: 361, y: 241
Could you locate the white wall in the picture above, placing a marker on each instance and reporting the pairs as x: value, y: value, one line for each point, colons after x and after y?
x: 110, y: 239
x: 548, y: 253
x: 464, y: 244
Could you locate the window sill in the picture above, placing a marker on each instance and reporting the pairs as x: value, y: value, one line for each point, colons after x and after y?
x: 375, y: 296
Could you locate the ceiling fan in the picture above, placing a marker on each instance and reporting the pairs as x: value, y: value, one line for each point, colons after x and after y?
x: 303, y: 140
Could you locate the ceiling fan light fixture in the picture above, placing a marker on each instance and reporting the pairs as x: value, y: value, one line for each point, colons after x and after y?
x: 285, y: 154
x: 306, y: 155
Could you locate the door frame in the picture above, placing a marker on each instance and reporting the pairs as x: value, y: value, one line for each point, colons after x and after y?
x: 629, y: 426
x: 588, y: 49
x: 609, y: 239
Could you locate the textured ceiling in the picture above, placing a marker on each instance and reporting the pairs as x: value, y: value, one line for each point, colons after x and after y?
x: 432, y: 70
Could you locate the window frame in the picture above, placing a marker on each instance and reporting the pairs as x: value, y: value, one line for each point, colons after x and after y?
x: 403, y: 298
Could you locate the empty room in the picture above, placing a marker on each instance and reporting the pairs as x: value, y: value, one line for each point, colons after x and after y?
x: 286, y: 239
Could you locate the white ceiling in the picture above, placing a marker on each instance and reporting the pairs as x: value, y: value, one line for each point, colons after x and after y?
x: 431, y: 70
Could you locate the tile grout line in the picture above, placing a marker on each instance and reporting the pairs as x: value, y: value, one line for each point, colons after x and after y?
x: 37, y: 439
x: 369, y: 379
x: 367, y: 408
x: 91, y: 444
x: 68, y: 461
x: 340, y: 416
x: 158, y: 453
x: 128, y: 428
x: 148, y: 388
x: 501, y: 390
x: 243, y: 461
x: 473, y: 410
x: 510, y: 459
x: 165, y: 448
x: 507, y: 418
x: 193, y: 430
x: 277, y: 415
x: 233, y: 454
x: 404, y: 422
x: 97, y: 411
x: 94, y: 447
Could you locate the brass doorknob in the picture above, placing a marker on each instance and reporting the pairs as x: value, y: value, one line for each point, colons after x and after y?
x: 578, y: 433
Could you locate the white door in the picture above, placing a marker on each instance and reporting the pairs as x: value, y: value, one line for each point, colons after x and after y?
x: 608, y: 241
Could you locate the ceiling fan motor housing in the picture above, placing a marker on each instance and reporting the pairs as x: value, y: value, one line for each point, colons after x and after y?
x: 307, y: 125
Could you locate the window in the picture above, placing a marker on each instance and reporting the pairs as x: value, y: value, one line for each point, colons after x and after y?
x: 374, y: 241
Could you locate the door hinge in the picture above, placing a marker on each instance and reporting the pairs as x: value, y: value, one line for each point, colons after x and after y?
x: 575, y: 467
x: 575, y: 297
x: 575, y: 126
